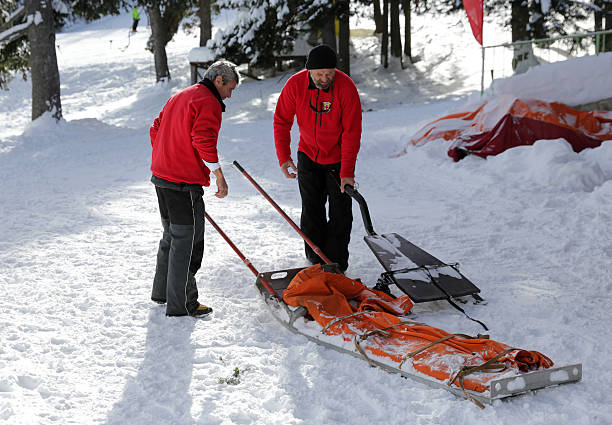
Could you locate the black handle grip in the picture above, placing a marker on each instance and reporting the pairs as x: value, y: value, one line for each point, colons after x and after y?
x: 238, y: 166
x: 363, y: 206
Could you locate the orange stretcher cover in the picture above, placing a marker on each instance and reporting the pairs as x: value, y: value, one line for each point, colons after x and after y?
x: 496, y: 126
x: 330, y: 296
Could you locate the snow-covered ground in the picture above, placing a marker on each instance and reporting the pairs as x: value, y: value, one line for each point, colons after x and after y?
x: 82, y: 344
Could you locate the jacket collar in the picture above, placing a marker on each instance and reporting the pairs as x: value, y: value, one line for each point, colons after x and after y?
x: 312, y: 86
x: 210, y: 85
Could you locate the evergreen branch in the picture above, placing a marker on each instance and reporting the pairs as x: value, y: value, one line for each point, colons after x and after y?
x: 12, y: 18
x: 16, y: 32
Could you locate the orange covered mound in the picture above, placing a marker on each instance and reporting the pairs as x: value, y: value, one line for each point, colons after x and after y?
x: 496, y: 126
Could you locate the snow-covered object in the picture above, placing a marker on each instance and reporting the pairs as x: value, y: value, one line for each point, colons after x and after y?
x: 504, y: 122
x: 574, y: 81
x: 201, y: 54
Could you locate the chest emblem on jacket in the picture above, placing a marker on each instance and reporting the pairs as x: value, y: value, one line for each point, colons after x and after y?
x: 326, y: 106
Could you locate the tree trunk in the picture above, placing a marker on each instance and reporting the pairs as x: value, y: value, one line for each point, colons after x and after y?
x: 158, y: 40
x: 205, y: 22
x: 598, y: 15
x: 523, y: 57
x: 396, y: 36
x: 607, y: 12
x: 384, y: 45
x: 519, y: 20
x: 377, y: 17
x: 598, y: 18
x: 328, y: 33
x: 407, y: 30
x: 43, y: 61
x: 344, y: 62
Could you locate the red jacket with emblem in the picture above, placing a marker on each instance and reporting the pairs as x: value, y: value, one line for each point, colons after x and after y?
x: 329, y: 122
x: 185, y: 134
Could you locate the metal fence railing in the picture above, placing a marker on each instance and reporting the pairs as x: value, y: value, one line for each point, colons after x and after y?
x: 507, y: 59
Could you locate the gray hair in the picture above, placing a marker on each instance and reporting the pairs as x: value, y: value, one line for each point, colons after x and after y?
x: 226, y: 69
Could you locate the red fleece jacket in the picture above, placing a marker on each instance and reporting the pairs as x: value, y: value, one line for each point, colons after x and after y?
x: 185, y: 134
x: 326, y: 137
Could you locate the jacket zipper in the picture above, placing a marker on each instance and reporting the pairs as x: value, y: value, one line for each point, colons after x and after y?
x: 315, y: 124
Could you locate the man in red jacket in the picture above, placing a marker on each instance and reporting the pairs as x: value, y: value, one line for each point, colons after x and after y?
x: 328, y: 110
x: 184, y: 140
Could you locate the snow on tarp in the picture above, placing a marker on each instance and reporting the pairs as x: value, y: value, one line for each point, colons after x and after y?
x: 333, y: 299
x: 496, y: 126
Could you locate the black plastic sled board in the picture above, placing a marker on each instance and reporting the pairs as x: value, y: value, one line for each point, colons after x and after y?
x: 298, y: 320
x: 417, y: 273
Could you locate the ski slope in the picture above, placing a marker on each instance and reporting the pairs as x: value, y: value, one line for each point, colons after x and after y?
x: 82, y: 344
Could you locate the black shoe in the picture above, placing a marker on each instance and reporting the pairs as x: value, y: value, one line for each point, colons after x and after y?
x: 158, y: 300
x: 201, y: 311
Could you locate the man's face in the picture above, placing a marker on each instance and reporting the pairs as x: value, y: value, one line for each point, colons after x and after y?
x: 225, y: 90
x: 323, y: 77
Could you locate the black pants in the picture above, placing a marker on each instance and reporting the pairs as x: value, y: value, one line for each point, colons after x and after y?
x: 320, y: 184
x: 135, y: 24
x: 180, y: 251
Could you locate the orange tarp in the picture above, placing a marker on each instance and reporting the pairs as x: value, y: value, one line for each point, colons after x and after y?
x: 330, y: 296
x: 488, y: 129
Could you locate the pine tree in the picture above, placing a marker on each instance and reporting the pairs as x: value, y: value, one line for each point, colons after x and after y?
x: 27, y: 43
x: 43, y: 61
x: 344, y: 11
x: 603, y: 21
x: 533, y: 19
x: 205, y: 14
x: 262, y: 29
x: 27, y: 48
x: 558, y: 17
x: 164, y: 19
x: 14, y: 49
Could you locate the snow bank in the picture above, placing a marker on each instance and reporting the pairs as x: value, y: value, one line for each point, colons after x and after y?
x: 551, y: 164
x: 573, y: 82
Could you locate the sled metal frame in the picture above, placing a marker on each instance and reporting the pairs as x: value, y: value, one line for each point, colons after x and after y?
x: 498, y: 389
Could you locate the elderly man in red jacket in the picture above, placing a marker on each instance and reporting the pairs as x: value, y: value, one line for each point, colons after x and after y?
x: 328, y: 110
x: 184, y: 140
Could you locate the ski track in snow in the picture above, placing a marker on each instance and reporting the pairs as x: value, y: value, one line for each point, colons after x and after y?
x: 82, y: 343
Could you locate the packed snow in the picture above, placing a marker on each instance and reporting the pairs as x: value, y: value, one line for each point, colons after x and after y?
x: 81, y: 343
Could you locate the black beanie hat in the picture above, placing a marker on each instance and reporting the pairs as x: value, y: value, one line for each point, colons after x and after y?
x: 321, y: 56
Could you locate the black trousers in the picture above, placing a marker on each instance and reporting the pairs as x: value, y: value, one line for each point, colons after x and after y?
x: 181, y: 249
x: 320, y: 184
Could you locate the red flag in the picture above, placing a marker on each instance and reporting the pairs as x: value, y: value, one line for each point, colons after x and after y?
x: 473, y: 8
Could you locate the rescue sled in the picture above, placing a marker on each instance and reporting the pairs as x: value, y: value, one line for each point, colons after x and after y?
x: 378, y: 331
x: 501, y: 384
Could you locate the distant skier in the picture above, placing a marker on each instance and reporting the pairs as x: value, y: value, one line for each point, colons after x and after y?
x: 184, y: 141
x: 328, y: 110
x: 136, y: 18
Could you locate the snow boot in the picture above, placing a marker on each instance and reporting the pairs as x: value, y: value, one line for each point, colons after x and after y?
x: 201, y: 311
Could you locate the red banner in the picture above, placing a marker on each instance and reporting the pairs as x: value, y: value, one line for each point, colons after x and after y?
x: 473, y: 8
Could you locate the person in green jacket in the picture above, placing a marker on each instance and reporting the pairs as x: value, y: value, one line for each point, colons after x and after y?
x: 136, y: 18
